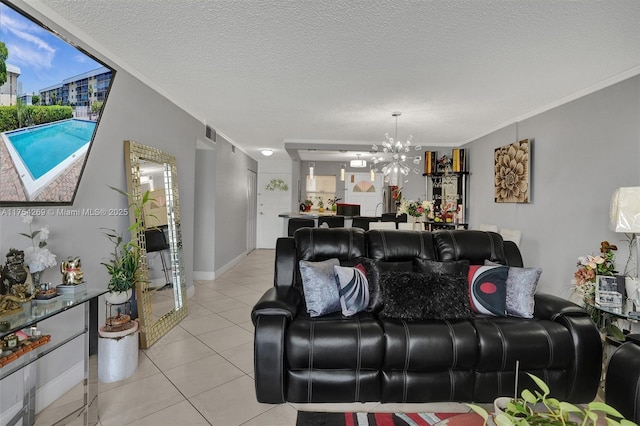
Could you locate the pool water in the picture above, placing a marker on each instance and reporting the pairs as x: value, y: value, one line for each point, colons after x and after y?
x: 44, y: 147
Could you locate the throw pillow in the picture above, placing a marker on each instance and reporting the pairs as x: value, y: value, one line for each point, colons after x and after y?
x: 521, y: 288
x: 353, y: 289
x: 488, y: 289
x: 455, y: 268
x: 319, y: 285
x: 421, y: 296
x: 374, y: 269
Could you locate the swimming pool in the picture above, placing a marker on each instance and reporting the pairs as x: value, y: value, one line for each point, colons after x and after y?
x: 42, y: 153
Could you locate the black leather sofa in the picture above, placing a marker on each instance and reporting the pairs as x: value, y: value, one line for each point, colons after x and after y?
x: 333, y: 358
x: 622, y: 383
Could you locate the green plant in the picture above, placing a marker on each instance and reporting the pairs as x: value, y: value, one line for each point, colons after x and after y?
x: 123, y: 266
x: 276, y: 184
x: 536, y: 408
x: 308, y: 202
x: 320, y: 202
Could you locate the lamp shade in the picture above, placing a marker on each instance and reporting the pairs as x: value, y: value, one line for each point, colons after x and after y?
x: 624, y: 215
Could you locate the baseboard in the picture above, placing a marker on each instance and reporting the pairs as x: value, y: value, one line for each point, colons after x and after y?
x: 230, y: 264
x: 211, y: 275
x: 204, y: 275
x: 49, y: 392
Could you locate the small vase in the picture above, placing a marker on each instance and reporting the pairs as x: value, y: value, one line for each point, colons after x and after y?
x: 417, y: 226
x: 35, y: 279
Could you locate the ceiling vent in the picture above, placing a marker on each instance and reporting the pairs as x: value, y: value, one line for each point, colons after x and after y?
x: 210, y: 133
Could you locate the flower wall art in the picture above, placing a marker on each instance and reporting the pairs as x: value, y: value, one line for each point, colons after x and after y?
x: 512, y: 172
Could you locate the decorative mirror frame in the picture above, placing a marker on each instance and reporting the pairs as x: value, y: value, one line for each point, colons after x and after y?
x: 151, y: 330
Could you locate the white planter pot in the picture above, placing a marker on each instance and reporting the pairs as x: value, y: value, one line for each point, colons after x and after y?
x: 119, y: 297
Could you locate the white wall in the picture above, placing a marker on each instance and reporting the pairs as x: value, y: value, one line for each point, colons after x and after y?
x: 582, y: 152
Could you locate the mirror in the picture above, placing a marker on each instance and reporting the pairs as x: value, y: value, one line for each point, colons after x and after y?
x: 51, y: 99
x: 162, y: 295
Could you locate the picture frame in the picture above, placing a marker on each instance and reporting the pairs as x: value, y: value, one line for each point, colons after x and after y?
x: 607, y: 293
x: 512, y: 172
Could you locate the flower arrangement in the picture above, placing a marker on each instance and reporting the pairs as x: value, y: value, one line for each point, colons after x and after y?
x: 585, y: 277
x: 37, y: 256
x: 444, y: 163
x: 396, y: 194
x: 414, y: 208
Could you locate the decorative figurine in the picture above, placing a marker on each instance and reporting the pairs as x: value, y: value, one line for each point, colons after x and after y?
x: 71, y: 273
x: 13, y: 290
x: 13, y: 272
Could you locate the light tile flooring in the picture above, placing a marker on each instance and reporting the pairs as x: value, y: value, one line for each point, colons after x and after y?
x: 201, y: 372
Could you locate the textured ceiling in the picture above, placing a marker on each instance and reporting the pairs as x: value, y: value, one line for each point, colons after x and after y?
x: 266, y: 72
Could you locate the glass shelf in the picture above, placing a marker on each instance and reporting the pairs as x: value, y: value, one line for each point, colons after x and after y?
x: 32, y: 312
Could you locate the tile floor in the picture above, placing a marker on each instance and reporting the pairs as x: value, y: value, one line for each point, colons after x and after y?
x: 201, y: 372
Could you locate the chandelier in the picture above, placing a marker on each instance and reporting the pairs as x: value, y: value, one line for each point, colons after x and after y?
x: 396, y: 155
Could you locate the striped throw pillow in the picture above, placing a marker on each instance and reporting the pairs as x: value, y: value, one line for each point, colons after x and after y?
x: 353, y: 289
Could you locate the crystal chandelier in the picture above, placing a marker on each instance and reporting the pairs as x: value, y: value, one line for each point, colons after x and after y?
x: 396, y: 154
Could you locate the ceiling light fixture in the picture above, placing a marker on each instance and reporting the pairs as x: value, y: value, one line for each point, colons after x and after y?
x: 372, y: 174
x: 358, y: 163
x: 343, y: 170
x: 395, y: 154
x: 267, y: 152
x: 311, y: 167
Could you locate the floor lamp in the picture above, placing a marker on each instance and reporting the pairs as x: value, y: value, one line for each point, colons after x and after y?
x: 625, y: 217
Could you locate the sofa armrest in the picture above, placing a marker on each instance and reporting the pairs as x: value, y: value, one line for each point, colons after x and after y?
x: 583, y: 376
x: 548, y: 307
x: 271, y: 317
x: 285, y: 266
x: 277, y: 302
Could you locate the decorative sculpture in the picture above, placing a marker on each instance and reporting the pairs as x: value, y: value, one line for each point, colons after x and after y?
x: 13, y: 290
x: 71, y: 273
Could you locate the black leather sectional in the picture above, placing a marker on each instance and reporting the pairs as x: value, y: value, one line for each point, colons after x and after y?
x: 366, y: 357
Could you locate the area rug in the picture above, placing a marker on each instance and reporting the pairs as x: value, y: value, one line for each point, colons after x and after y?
x: 313, y: 418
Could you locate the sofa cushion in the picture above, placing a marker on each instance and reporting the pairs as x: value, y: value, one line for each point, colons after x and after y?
x: 398, y: 246
x: 320, y: 289
x: 374, y: 269
x: 474, y: 246
x: 488, y: 289
x: 419, y: 296
x: 335, y: 342
x: 521, y: 289
x: 454, y: 268
x: 353, y: 289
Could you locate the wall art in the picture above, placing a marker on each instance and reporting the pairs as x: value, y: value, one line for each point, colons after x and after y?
x: 512, y: 172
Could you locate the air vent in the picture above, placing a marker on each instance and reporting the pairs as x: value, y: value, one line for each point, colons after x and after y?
x: 210, y: 133
x: 233, y: 149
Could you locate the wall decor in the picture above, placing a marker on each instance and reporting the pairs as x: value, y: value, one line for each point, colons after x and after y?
x: 51, y: 102
x: 512, y: 172
x: 278, y: 184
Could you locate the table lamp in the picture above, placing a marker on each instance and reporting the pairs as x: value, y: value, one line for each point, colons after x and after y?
x: 624, y: 216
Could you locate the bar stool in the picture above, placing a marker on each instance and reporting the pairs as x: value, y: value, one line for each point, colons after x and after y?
x: 156, y: 241
x: 332, y: 221
x: 297, y: 223
x: 363, y: 222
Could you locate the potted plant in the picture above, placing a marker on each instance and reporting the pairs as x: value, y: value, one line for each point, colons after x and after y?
x: 320, y: 204
x: 333, y: 202
x: 307, y: 205
x: 126, y: 258
x: 536, y: 408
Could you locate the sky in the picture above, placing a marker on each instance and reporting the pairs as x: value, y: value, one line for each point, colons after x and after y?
x: 44, y: 59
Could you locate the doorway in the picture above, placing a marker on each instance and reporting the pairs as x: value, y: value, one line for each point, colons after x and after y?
x: 359, y: 189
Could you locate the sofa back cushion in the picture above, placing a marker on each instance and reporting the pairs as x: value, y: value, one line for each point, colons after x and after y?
x: 399, y: 246
x: 319, y: 244
x: 316, y: 244
x: 474, y: 246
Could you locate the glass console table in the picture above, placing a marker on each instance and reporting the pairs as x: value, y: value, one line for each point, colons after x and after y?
x: 33, y: 314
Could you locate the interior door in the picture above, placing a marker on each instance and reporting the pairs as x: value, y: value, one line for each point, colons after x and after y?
x: 359, y: 189
x: 270, y: 205
x: 252, y: 182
